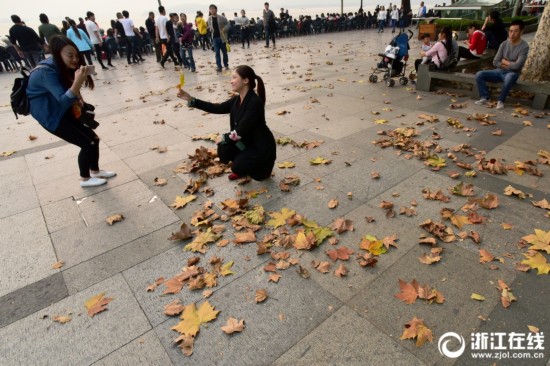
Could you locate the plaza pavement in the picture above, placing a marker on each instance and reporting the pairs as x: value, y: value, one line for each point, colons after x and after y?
x: 321, y: 82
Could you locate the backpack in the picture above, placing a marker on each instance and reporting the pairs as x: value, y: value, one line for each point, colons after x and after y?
x: 451, y: 61
x: 18, y: 97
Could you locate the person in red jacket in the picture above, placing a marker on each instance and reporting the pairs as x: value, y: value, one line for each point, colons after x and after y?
x: 477, y: 42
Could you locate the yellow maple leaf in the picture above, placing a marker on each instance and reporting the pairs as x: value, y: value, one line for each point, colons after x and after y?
x: 286, y: 164
x: 417, y: 329
x: 459, y: 220
x: 193, y: 318
x: 199, y: 244
x: 372, y: 245
x: 540, y: 240
x: 226, y: 269
x: 210, y: 279
x: 477, y: 297
x: 436, y: 161
x: 320, y: 160
x: 380, y: 121
x: 278, y: 218
x: 537, y: 260
x: 181, y: 201
x: 97, y: 304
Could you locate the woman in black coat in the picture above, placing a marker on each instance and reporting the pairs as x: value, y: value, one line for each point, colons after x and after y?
x: 249, y: 145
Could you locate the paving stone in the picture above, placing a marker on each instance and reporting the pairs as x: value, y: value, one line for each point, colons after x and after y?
x: 165, y: 136
x: 283, y: 319
x: 17, y: 201
x: 29, y: 299
x: 171, y: 262
x: 364, y: 344
x: 63, y: 213
x: 74, y: 245
x: 64, y: 343
x: 108, y: 264
x: 16, y: 180
x: 145, y: 350
x: 359, y: 277
x: 357, y: 177
x: 152, y: 159
x: 22, y: 234
x: 457, y: 276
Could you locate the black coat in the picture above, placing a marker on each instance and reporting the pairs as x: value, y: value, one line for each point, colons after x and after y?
x: 248, y: 120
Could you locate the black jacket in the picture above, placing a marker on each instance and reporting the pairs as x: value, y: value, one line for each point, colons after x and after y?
x: 248, y: 120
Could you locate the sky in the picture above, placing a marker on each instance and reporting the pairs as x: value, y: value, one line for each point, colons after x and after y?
x: 105, y: 10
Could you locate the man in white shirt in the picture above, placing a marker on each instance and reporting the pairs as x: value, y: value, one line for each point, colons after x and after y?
x: 132, y: 48
x: 97, y: 41
x: 163, y: 37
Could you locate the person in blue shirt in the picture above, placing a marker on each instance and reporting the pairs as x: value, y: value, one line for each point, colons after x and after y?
x: 56, y: 103
x: 81, y: 40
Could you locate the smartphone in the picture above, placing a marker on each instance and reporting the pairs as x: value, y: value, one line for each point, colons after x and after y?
x: 90, y: 69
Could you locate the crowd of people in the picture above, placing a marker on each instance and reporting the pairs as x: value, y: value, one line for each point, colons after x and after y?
x: 56, y: 101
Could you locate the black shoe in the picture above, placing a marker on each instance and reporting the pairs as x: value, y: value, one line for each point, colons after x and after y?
x: 227, y: 67
x: 219, y: 69
x: 142, y: 59
x: 162, y: 64
x: 104, y: 68
x: 110, y: 65
x: 130, y: 62
x: 266, y: 46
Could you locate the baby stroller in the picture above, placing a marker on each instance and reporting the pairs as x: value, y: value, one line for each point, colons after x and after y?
x: 394, y: 60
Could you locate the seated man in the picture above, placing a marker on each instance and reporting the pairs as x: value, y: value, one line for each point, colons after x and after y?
x: 476, y: 44
x: 509, y: 61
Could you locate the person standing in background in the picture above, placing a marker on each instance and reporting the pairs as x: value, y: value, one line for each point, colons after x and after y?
x: 163, y: 37
x: 218, y: 26
x: 81, y: 40
x: 270, y: 25
x: 47, y: 30
x: 150, y: 25
x: 394, y: 17
x: 202, y: 28
x: 132, y: 48
x: 245, y: 29
x: 97, y: 41
x: 30, y: 45
x: 187, y: 43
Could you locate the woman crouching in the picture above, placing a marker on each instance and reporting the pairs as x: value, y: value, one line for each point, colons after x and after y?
x: 249, y: 145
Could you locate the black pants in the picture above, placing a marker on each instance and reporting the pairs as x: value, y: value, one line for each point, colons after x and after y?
x: 463, y: 52
x: 245, y: 36
x: 246, y: 162
x: 88, y: 55
x: 75, y: 132
x: 158, y: 51
x: 99, y: 54
x: 132, y: 50
x: 169, y: 52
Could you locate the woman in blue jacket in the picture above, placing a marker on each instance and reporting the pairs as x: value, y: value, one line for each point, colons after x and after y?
x: 249, y: 145
x: 81, y: 40
x: 56, y: 103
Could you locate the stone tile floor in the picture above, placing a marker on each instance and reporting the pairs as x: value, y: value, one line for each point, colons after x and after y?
x: 45, y: 217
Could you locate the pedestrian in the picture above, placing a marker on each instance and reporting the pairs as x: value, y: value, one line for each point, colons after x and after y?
x: 150, y: 25
x: 476, y: 44
x: 174, y: 31
x: 133, y: 54
x: 202, y: 28
x: 27, y: 42
x: 381, y: 19
x: 494, y: 30
x: 83, y: 43
x: 245, y: 29
x: 55, y: 97
x: 97, y: 41
x: 509, y: 61
x: 163, y: 37
x: 218, y: 26
x: 187, y: 43
x: 249, y: 145
x: 394, y: 17
x: 270, y: 25
x: 46, y: 30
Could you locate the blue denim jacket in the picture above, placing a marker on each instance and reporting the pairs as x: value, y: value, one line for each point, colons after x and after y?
x: 49, y: 99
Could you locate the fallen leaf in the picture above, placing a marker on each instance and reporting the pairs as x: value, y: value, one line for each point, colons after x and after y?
x: 246, y: 237
x: 341, y: 225
x: 506, y: 296
x: 186, y: 345
x: 485, y: 256
x: 233, y: 325
x: 323, y: 267
x: 540, y: 240
x: 303, y: 272
x: 408, y: 291
x: 225, y: 270
x: 341, y: 271
x: 286, y: 164
x: 533, y: 329
x: 200, y: 241
x: 477, y: 297
x: 274, y: 278
x: 341, y: 253
x: 333, y: 203
x: 537, y: 261
x: 320, y: 161
x: 32, y: 137
x: 261, y: 295
x: 181, y: 201
x: 160, y: 182
x: 429, y: 258
x: 97, y: 304
x: 174, y: 308
x: 114, y: 218
x: 279, y: 218
x: 542, y: 204
x: 509, y: 191
x: 62, y: 319
x: 58, y: 265
x: 183, y: 233
x: 417, y: 329
x: 193, y: 318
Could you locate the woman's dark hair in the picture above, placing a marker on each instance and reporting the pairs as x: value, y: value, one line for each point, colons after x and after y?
x: 448, y: 40
x: 246, y: 72
x: 72, y: 23
x: 495, y: 15
x: 66, y: 75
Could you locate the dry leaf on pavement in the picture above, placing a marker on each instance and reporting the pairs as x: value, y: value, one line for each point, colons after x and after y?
x: 97, y: 304
x: 233, y: 325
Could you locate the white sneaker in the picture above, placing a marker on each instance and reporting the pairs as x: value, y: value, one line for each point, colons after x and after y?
x: 500, y: 105
x: 103, y: 174
x: 481, y: 101
x: 93, y: 182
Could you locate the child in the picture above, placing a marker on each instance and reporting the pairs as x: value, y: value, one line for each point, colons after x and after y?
x: 426, y: 45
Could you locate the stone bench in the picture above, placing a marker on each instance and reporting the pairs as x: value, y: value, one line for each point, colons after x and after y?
x: 426, y: 78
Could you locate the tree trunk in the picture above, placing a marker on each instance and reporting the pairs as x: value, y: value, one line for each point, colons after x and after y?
x: 537, y: 66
